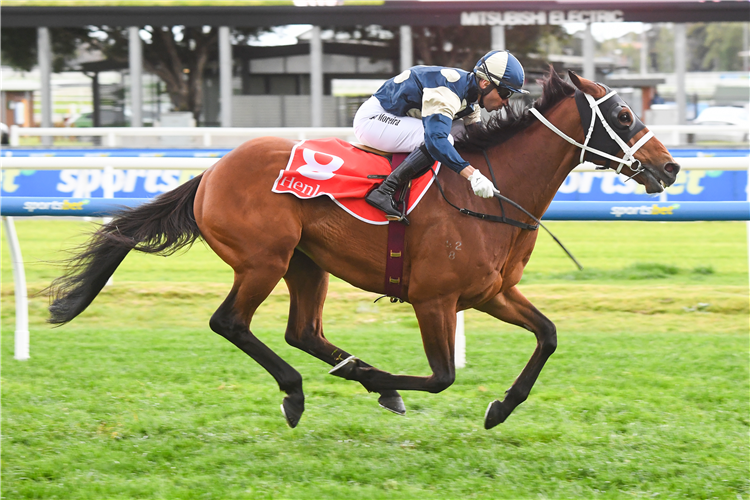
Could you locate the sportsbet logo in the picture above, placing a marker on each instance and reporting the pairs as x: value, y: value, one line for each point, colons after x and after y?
x: 644, y: 210
x: 30, y: 206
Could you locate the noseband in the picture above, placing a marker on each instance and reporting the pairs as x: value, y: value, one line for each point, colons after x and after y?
x: 602, y: 140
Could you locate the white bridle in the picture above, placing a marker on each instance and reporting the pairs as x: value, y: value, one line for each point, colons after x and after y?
x: 629, y: 152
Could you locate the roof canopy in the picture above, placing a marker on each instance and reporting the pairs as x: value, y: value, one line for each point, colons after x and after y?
x: 386, y: 13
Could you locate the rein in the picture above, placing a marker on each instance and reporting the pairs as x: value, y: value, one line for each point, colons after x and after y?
x: 503, y: 219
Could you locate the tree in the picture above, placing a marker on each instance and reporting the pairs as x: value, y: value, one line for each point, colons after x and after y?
x: 177, y: 55
x: 19, y: 46
x: 724, y: 43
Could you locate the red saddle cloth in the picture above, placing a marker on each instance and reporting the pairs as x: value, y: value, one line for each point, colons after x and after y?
x: 334, y: 168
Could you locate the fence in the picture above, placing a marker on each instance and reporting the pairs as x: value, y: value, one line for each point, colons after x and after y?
x: 9, y: 207
x: 233, y: 136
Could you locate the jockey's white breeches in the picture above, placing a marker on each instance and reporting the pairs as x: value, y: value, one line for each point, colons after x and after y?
x: 377, y: 128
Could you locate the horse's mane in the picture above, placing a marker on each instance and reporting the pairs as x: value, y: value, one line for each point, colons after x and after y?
x: 517, y: 117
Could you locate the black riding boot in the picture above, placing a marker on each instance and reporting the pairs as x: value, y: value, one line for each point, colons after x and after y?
x: 382, y: 197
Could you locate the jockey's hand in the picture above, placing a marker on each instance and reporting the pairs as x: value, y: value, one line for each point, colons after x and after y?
x: 481, y: 185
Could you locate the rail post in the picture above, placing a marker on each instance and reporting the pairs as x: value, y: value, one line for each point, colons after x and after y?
x: 22, y: 299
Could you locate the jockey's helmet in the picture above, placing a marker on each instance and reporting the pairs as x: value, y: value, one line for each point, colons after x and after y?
x: 502, y: 69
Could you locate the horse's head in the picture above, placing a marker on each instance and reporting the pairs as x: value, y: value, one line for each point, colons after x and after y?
x: 619, y: 134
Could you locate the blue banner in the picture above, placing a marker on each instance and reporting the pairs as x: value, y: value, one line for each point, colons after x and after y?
x: 695, y: 185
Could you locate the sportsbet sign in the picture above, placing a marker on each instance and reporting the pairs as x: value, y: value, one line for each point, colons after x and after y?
x: 530, y: 17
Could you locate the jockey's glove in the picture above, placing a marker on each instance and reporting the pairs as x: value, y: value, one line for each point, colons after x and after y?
x: 481, y: 185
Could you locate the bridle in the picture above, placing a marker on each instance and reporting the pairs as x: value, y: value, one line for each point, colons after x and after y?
x: 599, y: 146
x: 597, y: 132
x: 595, y: 137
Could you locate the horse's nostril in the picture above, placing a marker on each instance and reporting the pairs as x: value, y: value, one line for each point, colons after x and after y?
x: 672, y: 168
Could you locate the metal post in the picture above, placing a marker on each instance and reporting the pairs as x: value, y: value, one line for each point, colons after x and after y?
x: 225, y: 76
x: 44, y: 49
x: 316, y: 78
x: 589, y: 70
x: 28, y: 118
x: 3, y: 107
x: 407, y: 48
x: 22, y: 300
x: 498, y: 38
x: 680, y: 53
x: 135, y: 53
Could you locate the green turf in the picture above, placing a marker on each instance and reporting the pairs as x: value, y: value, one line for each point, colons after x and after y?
x: 646, y: 396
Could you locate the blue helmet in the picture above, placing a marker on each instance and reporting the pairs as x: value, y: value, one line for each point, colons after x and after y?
x: 502, y: 69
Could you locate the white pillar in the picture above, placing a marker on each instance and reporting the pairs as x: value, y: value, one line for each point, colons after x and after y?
x: 135, y: 57
x: 21, y: 350
x: 498, y: 38
x: 225, y: 76
x: 316, y: 78
x: 459, y: 344
x: 644, y: 51
x: 407, y: 48
x: 589, y: 70
x: 680, y: 54
x: 44, y: 51
x: 745, y: 47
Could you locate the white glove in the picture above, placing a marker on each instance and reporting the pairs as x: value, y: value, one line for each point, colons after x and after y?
x: 481, y: 185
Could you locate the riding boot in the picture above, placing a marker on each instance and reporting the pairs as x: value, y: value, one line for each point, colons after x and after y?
x: 382, y: 197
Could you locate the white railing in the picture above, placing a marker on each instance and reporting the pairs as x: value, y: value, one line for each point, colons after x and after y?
x: 233, y: 136
x: 206, y: 136
x: 162, y: 163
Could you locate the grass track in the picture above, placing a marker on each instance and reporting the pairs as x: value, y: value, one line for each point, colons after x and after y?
x: 646, y: 396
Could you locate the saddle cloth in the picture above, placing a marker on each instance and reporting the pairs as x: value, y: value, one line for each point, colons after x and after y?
x: 335, y: 168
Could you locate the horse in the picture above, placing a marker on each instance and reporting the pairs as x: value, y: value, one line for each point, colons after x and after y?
x: 452, y: 262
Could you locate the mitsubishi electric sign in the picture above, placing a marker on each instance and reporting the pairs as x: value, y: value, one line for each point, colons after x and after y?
x: 530, y: 17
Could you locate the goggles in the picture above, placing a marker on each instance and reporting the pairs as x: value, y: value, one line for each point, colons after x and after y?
x: 504, y: 92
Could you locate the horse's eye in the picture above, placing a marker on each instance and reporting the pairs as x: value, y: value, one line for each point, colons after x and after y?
x: 625, y: 117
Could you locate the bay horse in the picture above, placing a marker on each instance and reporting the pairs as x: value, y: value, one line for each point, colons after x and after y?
x: 453, y: 262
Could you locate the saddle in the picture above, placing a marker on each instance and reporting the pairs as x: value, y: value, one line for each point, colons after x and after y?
x: 384, y: 154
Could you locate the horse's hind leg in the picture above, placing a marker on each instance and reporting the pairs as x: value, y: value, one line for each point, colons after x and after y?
x: 232, y: 321
x: 308, y: 285
x: 512, y: 307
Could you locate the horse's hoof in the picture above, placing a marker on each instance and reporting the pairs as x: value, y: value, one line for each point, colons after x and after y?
x: 292, y: 411
x: 496, y: 414
x: 391, y: 401
x: 346, y: 368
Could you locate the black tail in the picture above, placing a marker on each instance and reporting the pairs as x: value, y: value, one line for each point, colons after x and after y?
x: 162, y: 226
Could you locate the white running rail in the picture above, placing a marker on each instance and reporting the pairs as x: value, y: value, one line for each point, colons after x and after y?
x: 206, y: 136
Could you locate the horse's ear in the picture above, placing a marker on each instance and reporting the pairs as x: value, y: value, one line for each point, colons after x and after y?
x: 586, y: 86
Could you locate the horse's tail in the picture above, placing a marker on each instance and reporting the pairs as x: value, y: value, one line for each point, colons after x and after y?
x: 162, y: 226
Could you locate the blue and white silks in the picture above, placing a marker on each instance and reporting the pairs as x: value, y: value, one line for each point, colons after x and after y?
x: 436, y: 95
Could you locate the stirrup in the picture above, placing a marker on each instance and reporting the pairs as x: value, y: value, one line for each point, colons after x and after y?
x: 397, y: 218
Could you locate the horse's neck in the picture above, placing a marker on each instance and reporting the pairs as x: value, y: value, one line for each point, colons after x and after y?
x: 535, y: 162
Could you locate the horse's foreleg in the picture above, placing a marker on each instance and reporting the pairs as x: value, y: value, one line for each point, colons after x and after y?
x: 437, y: 323
x: 308, y: 285
x: 512, y: 307
x: 232, y: 321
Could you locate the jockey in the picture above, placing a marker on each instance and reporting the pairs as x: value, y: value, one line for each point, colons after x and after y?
x: 413, y: 113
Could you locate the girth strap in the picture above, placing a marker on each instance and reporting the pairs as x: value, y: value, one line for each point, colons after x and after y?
x: 394, y: 259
